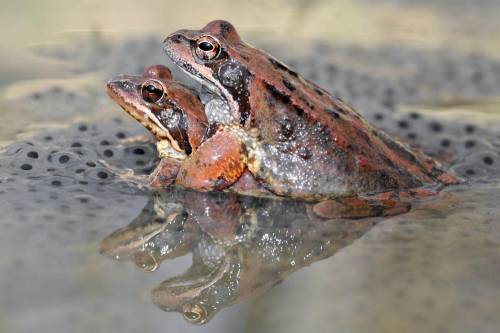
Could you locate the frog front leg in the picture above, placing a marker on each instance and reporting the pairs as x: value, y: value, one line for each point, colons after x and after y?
x: 165, y: 173
x: 167, y: 169
x: 215, y: 165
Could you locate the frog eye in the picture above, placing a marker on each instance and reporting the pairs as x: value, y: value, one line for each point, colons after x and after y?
x: 196, y: 314
x: 207, y: 48
x: 152, y: 91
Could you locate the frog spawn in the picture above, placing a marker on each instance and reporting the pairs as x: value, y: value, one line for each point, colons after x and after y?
x: 471, y: 151
x: 394, y: 75
x: 63, y: 176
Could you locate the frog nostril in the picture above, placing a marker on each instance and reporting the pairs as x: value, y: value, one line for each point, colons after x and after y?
x: 177, y: 38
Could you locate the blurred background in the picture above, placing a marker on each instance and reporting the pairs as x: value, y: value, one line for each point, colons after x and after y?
x: 461, y: 25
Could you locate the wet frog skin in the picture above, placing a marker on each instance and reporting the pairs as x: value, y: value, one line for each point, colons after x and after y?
x: 186, y: 142
x: 294, y: 137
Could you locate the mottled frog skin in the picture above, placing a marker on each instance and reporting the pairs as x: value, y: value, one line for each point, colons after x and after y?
x: 293, y: 136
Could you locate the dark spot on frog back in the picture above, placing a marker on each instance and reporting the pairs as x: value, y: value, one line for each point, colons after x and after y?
x: 307, y: 103
x: 363, y: 136
x: 225, y: 29
x: 299, y: 110
x: 435, y: 172
x: 278, y: 94
x: 332, y: 113
x: 279, y: 66
x: 288, y: 84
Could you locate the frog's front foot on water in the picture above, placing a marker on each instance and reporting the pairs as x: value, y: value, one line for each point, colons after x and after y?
x: 128, y: 175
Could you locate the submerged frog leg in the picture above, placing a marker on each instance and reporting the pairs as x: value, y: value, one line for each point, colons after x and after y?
x: 248, y: 185
x: 165, y: 173
x: 386, y: 204
x: 215, y: 165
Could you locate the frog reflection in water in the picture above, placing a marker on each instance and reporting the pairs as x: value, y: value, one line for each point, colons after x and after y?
x: 241, y: 246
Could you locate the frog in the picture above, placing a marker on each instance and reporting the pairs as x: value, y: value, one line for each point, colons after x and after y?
x: 294, y: 137
x: 188, y: 143
x: 169, y: 110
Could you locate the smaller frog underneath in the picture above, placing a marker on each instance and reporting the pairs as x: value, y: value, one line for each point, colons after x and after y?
x: 171, y: 112
x: 194, y: 152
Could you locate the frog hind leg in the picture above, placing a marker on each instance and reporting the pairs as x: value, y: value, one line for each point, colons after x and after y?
x: 248, y: 185
x: 380, y: 205
x: 215, y: 165
x: 165, y: 173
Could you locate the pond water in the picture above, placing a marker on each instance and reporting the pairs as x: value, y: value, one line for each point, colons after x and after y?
x: 83, y: 248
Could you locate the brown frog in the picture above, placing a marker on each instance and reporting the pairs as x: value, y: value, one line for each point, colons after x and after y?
x: 188, y: 144
x: 293, y: 136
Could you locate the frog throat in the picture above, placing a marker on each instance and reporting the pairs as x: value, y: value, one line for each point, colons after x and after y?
x: 165, y: 150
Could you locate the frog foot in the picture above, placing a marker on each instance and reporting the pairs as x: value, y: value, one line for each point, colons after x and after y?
x: 141, y: 181
x: 377, y: 205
